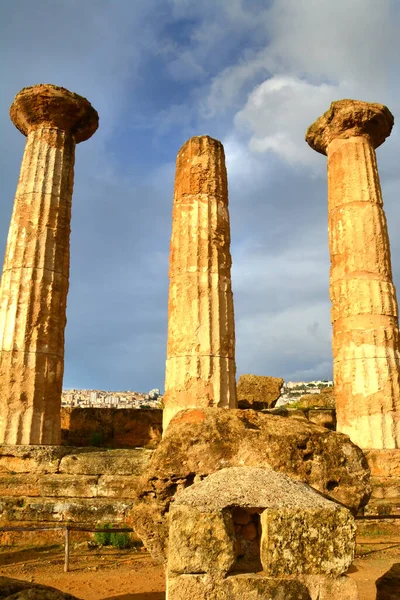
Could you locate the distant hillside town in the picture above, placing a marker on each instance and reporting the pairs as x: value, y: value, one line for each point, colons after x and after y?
x: 290, y: 391
x: 102, y: 399
x: 293, y: 390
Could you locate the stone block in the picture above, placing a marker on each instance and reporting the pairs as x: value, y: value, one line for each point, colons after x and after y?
x: 388, y: 586
x: 258, y: 392
x: 60, y: 510
x: 301, y: 532
x: 323, y: 587
x: 89, y: 461
x: 384, y: 463
x: 111, y: 427
x: 307, y: 540
x: 203, y: 441
x: 200, y: 542
x: 235, y: 587
x: 117, y: 486
x: 323, y: 417
x: 31, y: 459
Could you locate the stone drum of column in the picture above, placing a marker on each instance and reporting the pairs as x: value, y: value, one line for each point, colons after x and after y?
x: 200, y: 368
x: 364, y: 305
x: 35, y: 277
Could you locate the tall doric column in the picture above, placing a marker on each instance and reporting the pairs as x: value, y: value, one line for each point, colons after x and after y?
x: 34, y: 282
x: 364, y: 306
x: 200, y: 370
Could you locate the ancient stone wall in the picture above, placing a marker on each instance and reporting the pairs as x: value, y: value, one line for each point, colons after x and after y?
x: 111, y: 427
x: 57, y: 485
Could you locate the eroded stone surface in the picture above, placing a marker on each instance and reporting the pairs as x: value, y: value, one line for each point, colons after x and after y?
x: 322, y: 587
x: 235, y: 587
x: 111, y: 427
x: 200, y: 442
x: 55, y: 484
x: 301, y: 531
x: 200, y: 541
x: 35, y: 276
x: 200, y: 368
x: 258, y: 392
x: 364, y: 305
x: 350, y: 118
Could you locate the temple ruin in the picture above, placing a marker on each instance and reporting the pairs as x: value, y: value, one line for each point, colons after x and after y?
x: 366, y: 356
x: 238, y: 503
x: 35, y: 277
x: 200, y: 368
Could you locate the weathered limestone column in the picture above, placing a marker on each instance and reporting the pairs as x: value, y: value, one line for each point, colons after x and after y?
x: 34, y: 282
x: 364, y: 306
x: 200, y: 369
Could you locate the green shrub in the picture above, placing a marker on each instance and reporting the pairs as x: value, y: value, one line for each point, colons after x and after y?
x: 120, y: 540
x: 103, y: 538
x: 96, y: 438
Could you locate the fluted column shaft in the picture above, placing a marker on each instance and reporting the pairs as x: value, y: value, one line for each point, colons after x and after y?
x: 200, y: 368
x: 35, y: 278
x: 365, y: 341
x: 34, y: 290
x: 364, y: 312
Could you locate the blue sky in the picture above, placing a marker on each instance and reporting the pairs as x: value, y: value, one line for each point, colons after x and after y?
x: 251, y: 73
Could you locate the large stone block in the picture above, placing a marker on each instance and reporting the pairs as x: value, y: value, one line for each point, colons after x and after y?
x: 258, y: 391
x: 200, y: 542
x: 62, y: 510
x: 235, y: 587
x: 201, y: 442
x: 31, y: 459
x: 301, y: 532
x: 88, y: 461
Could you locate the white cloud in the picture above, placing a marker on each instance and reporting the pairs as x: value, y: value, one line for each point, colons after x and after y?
x: 278, y: 112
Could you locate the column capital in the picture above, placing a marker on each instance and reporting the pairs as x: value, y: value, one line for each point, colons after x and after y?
x: 350, y: 118
x: 47, y: 105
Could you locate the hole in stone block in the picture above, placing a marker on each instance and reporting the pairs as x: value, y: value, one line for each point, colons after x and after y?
x: 308, y: 456
x: 247, y: 526
x: 332, y: 485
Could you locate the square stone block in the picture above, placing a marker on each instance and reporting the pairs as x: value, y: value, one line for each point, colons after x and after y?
x: 298, y: 540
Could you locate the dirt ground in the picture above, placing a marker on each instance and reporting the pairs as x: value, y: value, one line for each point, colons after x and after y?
x: 109, y: 574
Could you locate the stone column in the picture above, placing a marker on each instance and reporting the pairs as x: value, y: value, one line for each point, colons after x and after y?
x: 364, y: 306
x: 200, y: 369
x: 34, y: 282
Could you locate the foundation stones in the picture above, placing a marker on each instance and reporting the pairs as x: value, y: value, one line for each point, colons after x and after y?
x: 364, y: 304
x: 298, y: 534
x: 35, y: 277
x: 201, y: 442
x: 200, y: 368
